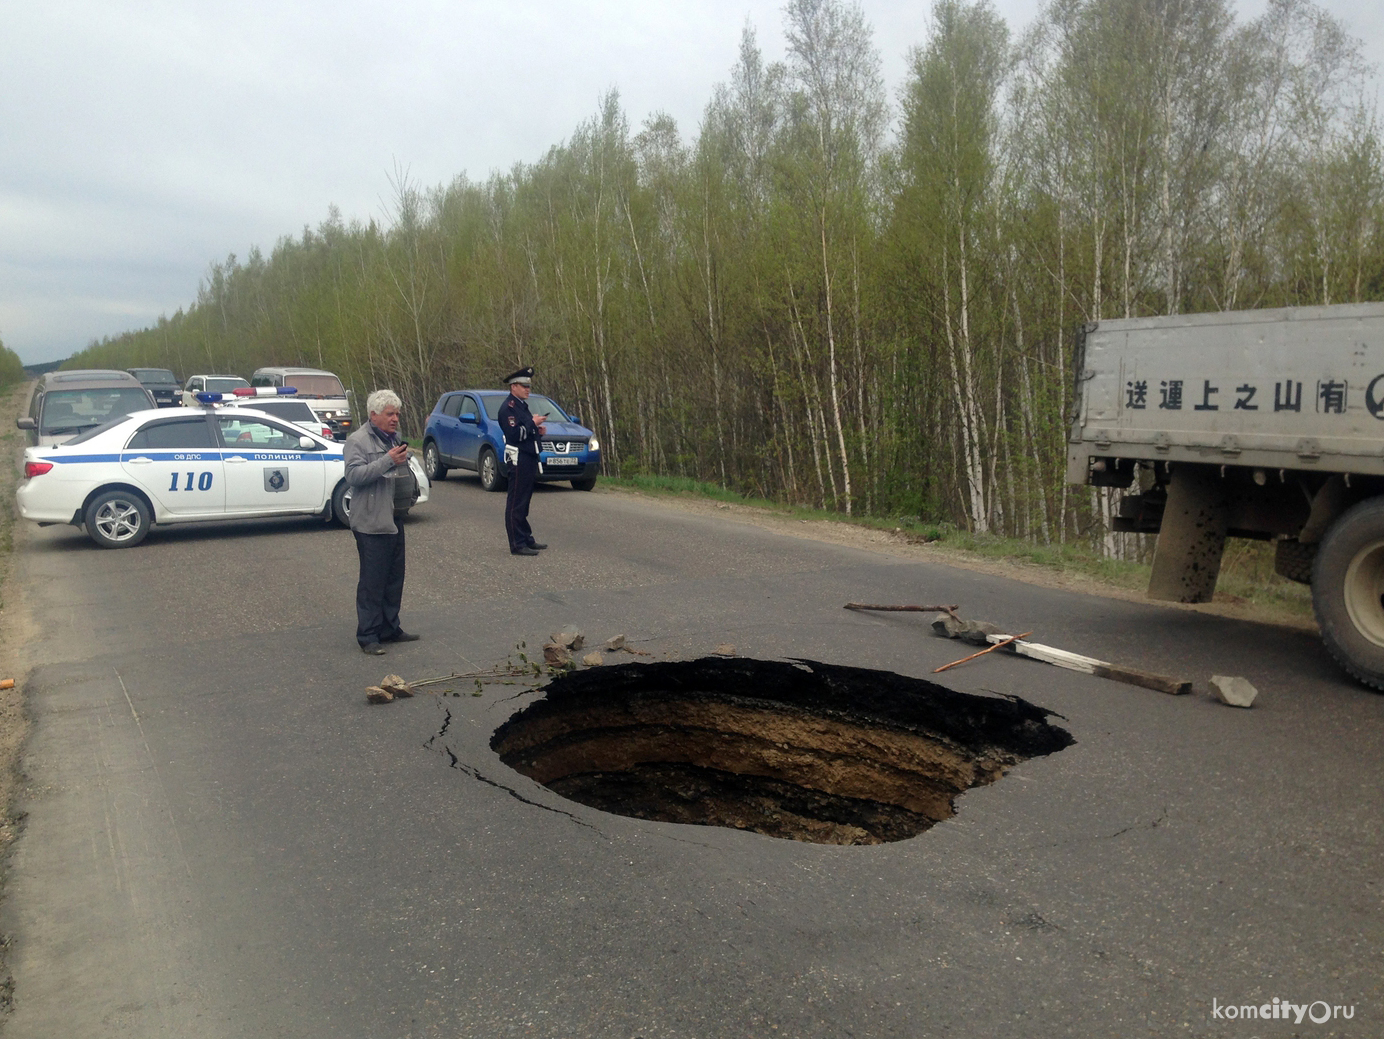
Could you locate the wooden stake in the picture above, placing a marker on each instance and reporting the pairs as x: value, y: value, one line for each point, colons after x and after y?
x: 902, y: 609
x: 1007, y: 640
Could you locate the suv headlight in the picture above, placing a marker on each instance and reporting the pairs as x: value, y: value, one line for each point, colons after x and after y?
x: 595, y: 444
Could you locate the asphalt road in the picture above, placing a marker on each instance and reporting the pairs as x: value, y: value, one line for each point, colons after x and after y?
x: 224, y: 839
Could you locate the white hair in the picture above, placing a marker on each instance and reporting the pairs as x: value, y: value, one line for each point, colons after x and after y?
x: 381, y: 399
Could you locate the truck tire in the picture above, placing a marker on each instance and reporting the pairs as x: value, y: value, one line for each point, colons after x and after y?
x: 1348, y: 591
x: 1293, y: 560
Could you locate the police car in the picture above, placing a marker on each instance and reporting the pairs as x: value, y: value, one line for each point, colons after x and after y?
x: 215, y: 462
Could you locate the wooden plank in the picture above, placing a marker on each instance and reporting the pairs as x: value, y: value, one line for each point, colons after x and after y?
x: 1145, y: 679
x: 1092, y: 666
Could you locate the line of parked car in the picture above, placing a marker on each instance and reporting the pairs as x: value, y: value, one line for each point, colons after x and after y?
x: 67, y: 403
x: 118, y: 452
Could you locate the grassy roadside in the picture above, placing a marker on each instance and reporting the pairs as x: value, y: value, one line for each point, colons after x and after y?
x: 14, y: 721
x: 1247, y: 574
x: 11, y: 448
x: 12, y: 443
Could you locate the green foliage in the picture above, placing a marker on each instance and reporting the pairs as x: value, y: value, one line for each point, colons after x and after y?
x: 790, y: 307
x: 11, y: 368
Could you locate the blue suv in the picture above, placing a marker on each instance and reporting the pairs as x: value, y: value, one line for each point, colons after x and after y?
x: 463, y: 432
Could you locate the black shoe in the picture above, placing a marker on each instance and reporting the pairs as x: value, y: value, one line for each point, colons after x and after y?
x: 523, y: 550
x: 373, y: 648
x: 401, y: 636
x: 537, y: 544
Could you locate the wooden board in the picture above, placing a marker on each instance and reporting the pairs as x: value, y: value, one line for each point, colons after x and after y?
x: 1092, y: 666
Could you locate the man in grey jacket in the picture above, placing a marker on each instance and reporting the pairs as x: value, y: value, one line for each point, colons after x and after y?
x: 374, y: 455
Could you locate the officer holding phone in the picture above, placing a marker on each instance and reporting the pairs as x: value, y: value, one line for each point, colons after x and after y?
x: 521, y: 432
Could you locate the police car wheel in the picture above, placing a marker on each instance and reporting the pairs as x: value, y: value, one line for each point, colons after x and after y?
x: 117, y: 519
x: 489, y: 467
x: 432, y: 463
x: 341, y: 504
x: 1348, y: 591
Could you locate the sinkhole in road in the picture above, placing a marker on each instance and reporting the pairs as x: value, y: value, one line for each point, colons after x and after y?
x: 801, y: 750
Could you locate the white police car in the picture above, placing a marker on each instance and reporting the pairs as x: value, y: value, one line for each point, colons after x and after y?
x: 209, y: 463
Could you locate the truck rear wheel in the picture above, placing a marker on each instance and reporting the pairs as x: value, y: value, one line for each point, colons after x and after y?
x: 1348, y: 591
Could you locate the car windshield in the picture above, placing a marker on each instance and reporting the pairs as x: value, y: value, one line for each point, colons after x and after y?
x: 315, y: 385
x: 226, y: 385
x: 95, y: 431
x: 155, y: 376
x: 538, y: 405
x: 74, y: 411
x: 293, y: 410
x: 239, y: 431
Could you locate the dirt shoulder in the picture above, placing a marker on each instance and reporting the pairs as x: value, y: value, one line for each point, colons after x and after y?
x: 15, y: 624
x: 902, y: 546
x: 14, y: 616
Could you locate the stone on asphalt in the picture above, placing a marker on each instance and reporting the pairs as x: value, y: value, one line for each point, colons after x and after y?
x: 947, y: 626
x: 615, y: 642
x: 593, y: 659
x: 374, y: 694
x: 395, y: 685
x: 556, y: 655
x: 725, y: 649
x: 1233, y: 690
x: 573, y: 640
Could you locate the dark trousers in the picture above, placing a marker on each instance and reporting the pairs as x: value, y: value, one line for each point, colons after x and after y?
x: 381, y: 586
x: 522, y: 477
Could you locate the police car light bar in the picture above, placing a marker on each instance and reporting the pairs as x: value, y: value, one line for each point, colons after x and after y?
x: 245, y: 391
x: 265, y: 391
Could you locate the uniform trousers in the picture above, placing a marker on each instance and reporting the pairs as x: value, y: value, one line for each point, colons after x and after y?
x: 522, y: 477
x: 381, y: 586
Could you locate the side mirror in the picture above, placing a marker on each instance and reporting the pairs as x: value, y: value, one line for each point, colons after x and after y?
x: 309, y: 444
x: 468, y: 417
x: 26, y: 422
x: 576, y: 420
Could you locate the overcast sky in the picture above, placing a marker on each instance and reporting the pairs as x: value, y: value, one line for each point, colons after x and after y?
x: 140, y: 141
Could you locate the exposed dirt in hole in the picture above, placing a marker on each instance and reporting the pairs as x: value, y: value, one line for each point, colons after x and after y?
x: 809, y: 751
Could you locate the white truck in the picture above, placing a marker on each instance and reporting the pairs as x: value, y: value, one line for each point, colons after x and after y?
x: 1265, y: 424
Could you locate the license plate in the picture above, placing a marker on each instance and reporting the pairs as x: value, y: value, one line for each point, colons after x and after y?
x: 556, y: 463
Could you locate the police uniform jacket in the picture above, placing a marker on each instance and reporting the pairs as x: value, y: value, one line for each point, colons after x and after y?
x: 372, y: 495
x: 516, y: 421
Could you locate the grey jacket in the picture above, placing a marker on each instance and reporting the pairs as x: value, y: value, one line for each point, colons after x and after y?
x: 372, y: 493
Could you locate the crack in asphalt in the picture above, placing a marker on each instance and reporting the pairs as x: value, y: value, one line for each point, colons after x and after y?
x: 474, y: 773
x: 1151, y: 825
x: 468, y: 770
x: 509, y: 699
x: 447, y: 721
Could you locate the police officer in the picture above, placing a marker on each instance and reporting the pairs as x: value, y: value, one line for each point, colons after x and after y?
x: 521, y: 432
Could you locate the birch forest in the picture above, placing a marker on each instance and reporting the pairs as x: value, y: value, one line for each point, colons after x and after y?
x: 828, y: 296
